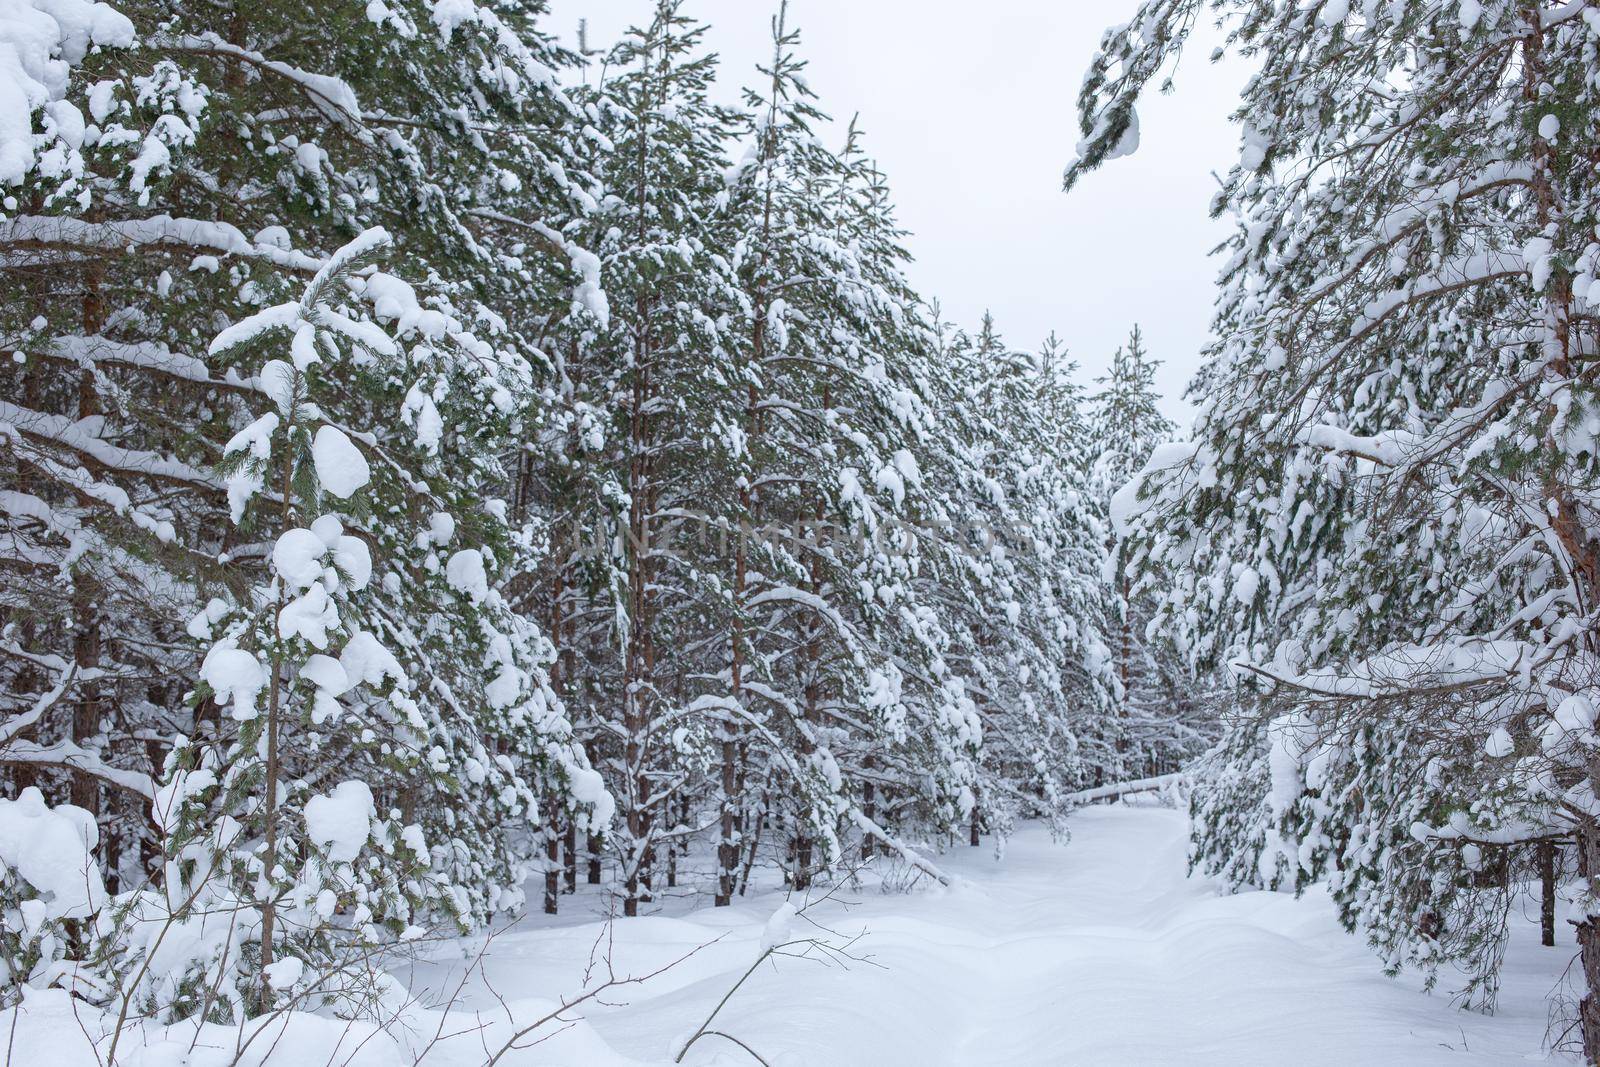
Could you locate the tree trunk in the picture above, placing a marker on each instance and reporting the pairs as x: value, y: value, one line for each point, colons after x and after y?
x: 150, y: 839
x: 813, y: 667
x: 552, y: 857
x: 1547, y: 895
x: 749, y: 504
x: 728, y: 846
x: 636, y: 657
x: 560, y: 681
x: 593, y: 846
x: 269, y: 856
x: 1589, y: 945
x: 569, y: 848
x: 802, y: 862
x: 1565, y: 520
x: 869, y: 808
x: 24, y: 775
x: 85, y: 790
x: 86, y: 641
x: 1124, y: 656
x: 760, y: 823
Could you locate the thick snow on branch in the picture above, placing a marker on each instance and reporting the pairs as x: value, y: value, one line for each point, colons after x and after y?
x: 332, y: 96
x: 362, y: 245
x: 905, y: 852
x: 1388, y: 449
x: 1122, y: 789
x: 1407, y: 219
x: 1176, y: 459
x: 1409, y: 670
x: 118, y: 235
x: 52, y: 850
x: 40, y: 42
x: 146, y: 355
x: 82, y: 436
x: 14, y: 726
x: 68, y: 755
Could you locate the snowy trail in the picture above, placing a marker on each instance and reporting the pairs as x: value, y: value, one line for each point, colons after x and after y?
x: 1100, y: 952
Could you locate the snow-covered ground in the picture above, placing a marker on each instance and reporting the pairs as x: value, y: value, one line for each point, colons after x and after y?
x: 1099, y: 952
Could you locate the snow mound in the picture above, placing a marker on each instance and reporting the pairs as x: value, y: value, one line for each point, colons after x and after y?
x: 341, y: 468
x: 40, y: 42
x: 341, y: 821
x: 51, y: 849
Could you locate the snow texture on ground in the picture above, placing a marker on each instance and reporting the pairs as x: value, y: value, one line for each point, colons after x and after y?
x: 1097, y: 952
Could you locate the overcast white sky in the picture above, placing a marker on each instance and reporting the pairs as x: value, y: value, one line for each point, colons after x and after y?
x: 971, y: 110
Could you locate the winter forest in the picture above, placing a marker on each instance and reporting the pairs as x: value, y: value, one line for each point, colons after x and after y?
x: 500, y: 564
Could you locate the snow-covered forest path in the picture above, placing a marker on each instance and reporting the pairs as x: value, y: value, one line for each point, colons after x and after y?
x: 1100, y: 952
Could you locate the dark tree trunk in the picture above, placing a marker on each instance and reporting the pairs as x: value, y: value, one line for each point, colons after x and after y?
x: 552, y: 858
x: 150, y: 841
x: 1589, y: 948
x: 1547, y: 896
x: 569, y: 845
x: 728, y: 845
x: 85, y: 790
x: 869, y: 808
x: 85, y: 600
x: 593, y: 846
x: 86, y: 713
x: 759, y: 824
x: 24, y: 775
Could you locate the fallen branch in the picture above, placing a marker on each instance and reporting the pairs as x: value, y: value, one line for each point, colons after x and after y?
x: 906, y: 853
x: 1121, y: 789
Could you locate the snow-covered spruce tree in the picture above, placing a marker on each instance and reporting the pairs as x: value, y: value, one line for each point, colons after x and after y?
x: 1074, y: 624
x: 1386, y: 515
x: 1164, y: 721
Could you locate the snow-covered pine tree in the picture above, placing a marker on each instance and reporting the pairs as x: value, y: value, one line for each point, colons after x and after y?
x: 1032, y: 625
x: 1386, y: 516
x: 826, y: 481
x: 434, y: 718
x: 1164, y: 721
x: 129, y: 234
x: 663, y: 369
x: 911, y: 750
